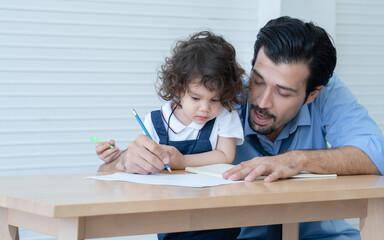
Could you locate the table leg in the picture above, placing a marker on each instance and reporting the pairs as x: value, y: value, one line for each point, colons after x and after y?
x: 290, y: 231
x: 72, y: 229
x: 14, y: 232
x: 371, y: 227
x: 7, y: 232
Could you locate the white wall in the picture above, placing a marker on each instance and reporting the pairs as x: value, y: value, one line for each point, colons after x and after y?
x: 359, y: 41
x: 357, y: 27
x: 70, y: 70
x: 321, y: 13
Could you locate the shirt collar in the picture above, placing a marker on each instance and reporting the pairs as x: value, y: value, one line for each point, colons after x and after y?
x: 176, y: 126
x: 303, y: 118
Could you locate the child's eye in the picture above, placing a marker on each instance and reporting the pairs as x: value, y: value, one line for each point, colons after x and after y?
x: 215, y: 100
x: 195, y: 98
x: 257, y: 82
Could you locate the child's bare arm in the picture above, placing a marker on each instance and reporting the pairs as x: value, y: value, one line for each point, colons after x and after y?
x: 224, y: 153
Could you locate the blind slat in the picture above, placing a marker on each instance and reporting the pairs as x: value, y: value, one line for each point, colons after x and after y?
x: 70, y: 70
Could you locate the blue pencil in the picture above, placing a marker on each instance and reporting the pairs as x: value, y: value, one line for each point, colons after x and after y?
x: 146, y: 132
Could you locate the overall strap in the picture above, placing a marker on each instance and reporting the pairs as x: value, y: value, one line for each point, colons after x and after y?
x: 206, y: 130
x: 157, y: 120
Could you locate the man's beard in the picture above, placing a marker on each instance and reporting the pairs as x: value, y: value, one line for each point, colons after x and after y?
x: 261, y: 130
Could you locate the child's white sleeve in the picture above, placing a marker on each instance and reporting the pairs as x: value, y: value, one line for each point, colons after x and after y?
x: 229, y: 126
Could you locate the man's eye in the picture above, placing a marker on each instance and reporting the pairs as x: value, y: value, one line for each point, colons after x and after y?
x: 282, y: 94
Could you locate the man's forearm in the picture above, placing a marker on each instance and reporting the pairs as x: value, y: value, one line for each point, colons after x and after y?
x: 346, y: 160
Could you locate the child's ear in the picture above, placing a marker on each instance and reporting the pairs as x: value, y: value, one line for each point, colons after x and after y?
x: 313, y: 94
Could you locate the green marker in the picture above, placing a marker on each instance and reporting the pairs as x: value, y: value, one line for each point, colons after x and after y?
x: 97, y: 140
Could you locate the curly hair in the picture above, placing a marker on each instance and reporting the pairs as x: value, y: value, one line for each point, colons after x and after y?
x: 209, y: 57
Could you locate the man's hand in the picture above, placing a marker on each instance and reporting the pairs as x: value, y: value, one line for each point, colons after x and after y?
x: 143, y: 156
x: 274, y: 167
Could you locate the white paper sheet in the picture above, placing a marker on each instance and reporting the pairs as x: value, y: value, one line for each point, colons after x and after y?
x: 185, y: 180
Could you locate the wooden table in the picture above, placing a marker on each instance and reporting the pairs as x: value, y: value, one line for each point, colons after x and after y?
x: 72, y: 207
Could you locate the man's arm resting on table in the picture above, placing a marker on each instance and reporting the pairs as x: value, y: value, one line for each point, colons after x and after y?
x: 346, y: 160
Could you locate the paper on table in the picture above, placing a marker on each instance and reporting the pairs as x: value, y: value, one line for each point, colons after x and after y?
x: 218, y: 169
x: 185, y: 180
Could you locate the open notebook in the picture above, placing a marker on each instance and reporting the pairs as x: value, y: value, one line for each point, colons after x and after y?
x: 218, y: 169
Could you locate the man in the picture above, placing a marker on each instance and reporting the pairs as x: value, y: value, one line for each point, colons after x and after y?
x: 296, y: 106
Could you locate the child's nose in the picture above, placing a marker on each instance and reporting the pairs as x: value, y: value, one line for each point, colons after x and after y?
x: 204, y: 107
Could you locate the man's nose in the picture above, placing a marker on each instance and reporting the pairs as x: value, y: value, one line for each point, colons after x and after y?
x: 265, y: 100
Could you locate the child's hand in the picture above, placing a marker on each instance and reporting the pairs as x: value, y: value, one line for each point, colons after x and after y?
x: 105, y: 153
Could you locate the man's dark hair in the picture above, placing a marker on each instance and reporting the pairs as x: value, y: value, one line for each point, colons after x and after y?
x: 289, y: 40
x: 209, y: 57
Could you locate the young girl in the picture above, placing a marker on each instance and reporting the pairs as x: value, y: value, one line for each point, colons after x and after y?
x: 201, y: 83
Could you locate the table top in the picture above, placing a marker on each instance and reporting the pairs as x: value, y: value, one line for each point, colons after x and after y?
x: 72, y: 195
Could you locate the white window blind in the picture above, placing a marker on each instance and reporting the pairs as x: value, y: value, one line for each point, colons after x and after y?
x: 360, y: 45
x: 70, y: 70
x: 74, y: 69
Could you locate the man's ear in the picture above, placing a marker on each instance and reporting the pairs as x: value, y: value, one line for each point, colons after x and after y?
x: 313, y: 94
